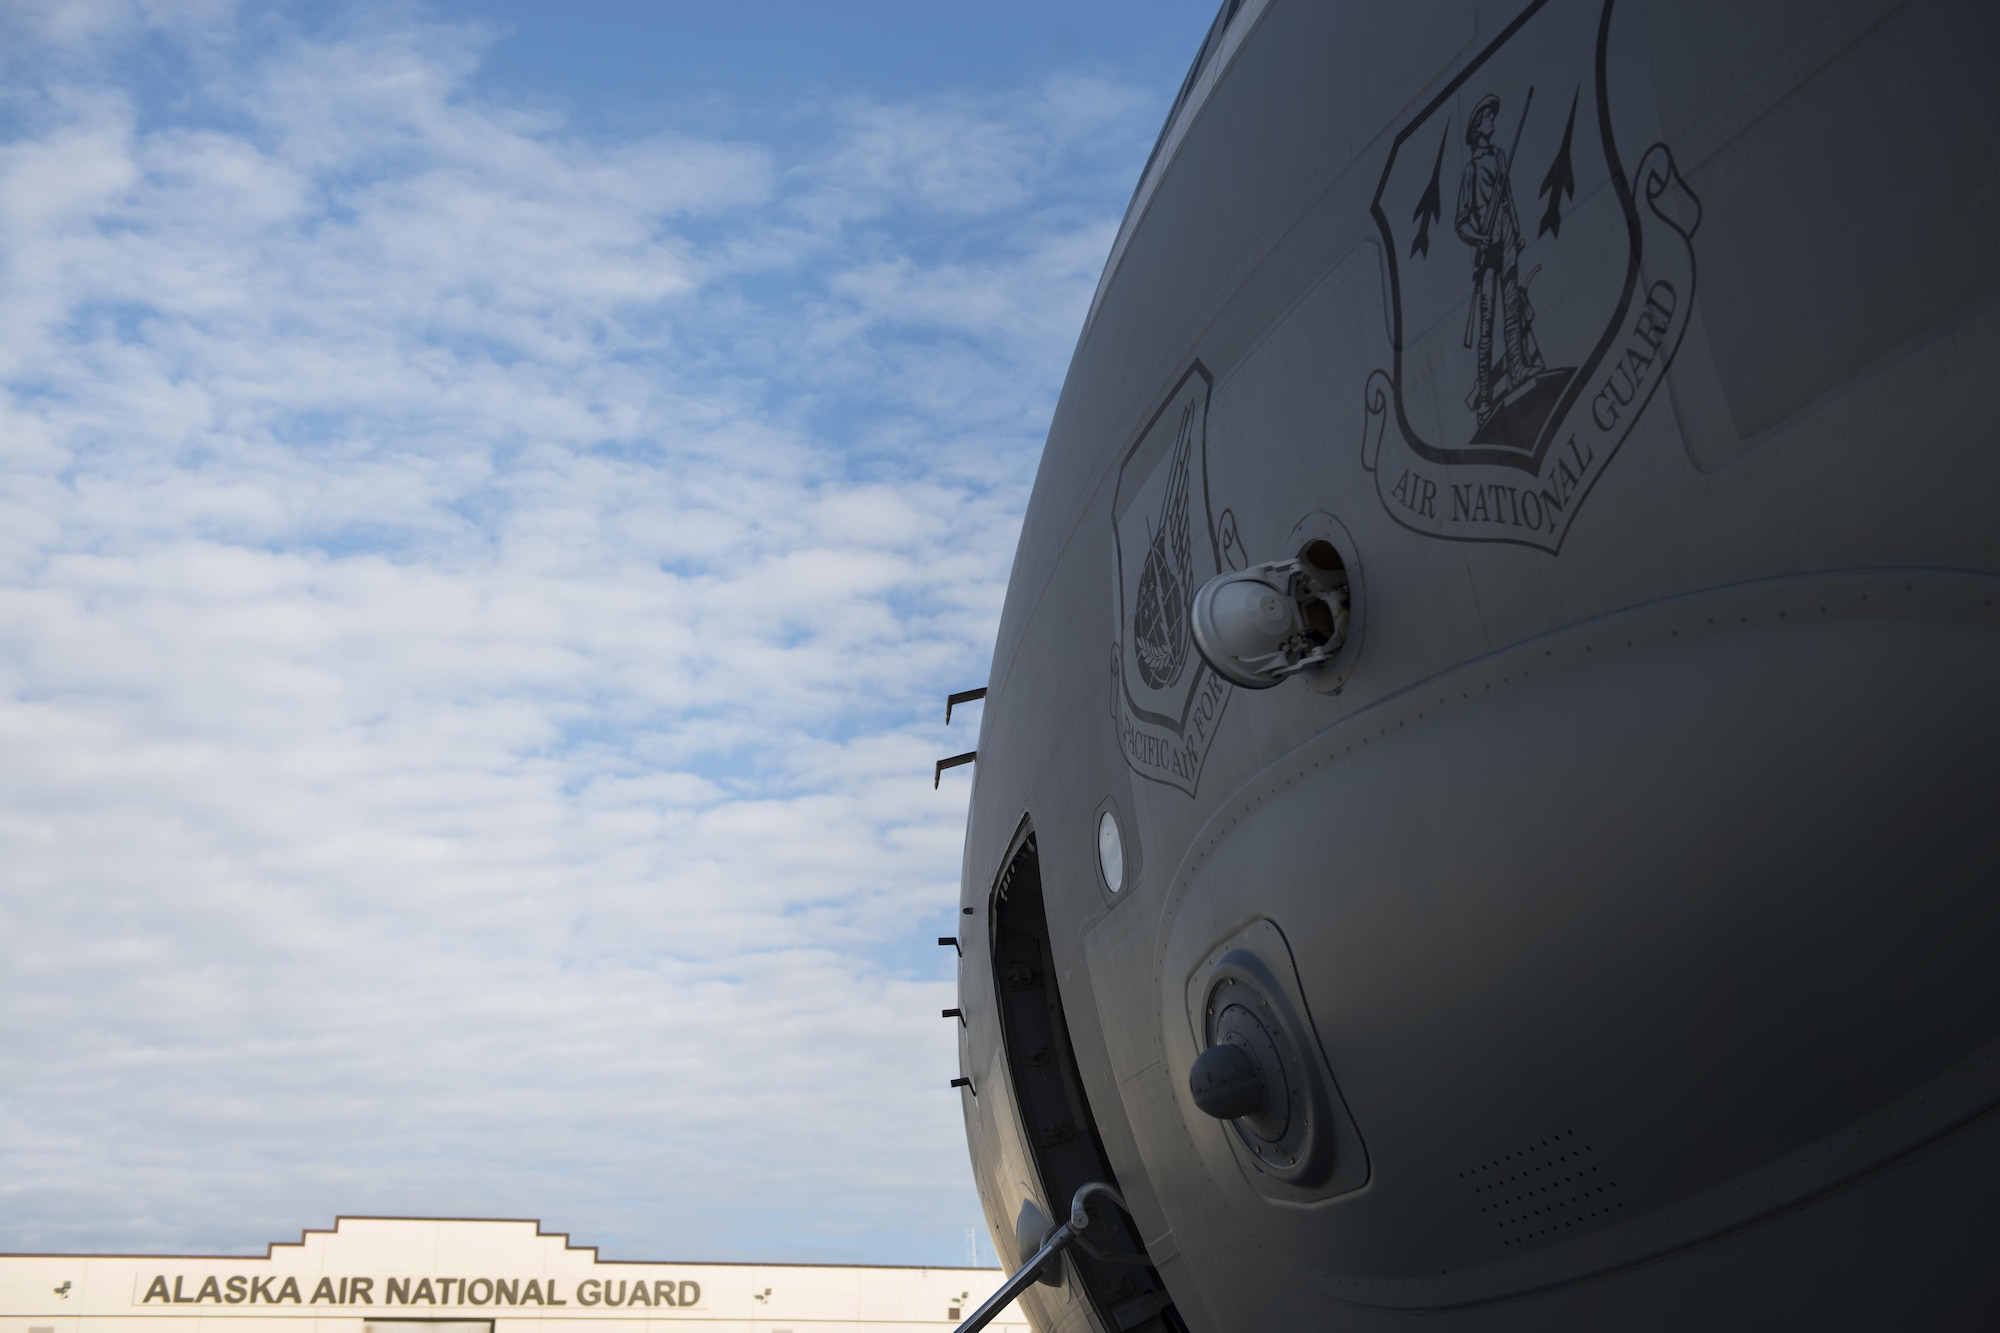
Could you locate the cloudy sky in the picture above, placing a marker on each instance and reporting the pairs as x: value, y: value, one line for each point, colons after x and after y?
x: 492, y: 499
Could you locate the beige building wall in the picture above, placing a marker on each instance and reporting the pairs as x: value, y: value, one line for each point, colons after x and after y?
x: 431, y: 1275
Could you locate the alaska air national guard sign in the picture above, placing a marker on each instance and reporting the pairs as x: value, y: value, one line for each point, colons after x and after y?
x: 1537, y: 291
x: 1165, y: 701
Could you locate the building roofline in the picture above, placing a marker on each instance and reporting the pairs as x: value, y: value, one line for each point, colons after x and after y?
x: 271, y: 1249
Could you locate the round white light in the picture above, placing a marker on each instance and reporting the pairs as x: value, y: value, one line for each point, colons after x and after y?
x: 1111, y: 852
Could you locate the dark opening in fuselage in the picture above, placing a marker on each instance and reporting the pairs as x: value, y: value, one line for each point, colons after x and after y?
x: 1056, y: 1121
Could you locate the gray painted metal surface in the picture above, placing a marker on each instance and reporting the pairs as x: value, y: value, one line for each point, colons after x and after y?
x: 1621, y: 915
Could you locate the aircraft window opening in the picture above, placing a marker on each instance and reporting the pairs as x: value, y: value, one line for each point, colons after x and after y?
x: 1058, y: 1127
x: 1111, y: 852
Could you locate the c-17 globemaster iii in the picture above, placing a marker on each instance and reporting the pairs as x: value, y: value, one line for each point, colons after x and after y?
x: 1487, y: 811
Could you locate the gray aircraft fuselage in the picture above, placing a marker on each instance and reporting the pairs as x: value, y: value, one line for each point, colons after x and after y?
x: 1613, y: 924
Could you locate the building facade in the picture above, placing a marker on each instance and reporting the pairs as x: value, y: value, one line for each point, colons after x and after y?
x: 457, y: 1275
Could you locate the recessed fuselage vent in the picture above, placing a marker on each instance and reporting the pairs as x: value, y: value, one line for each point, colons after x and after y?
x: 1552, y: 1188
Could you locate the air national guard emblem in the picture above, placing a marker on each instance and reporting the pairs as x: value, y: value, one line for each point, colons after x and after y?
x: 1537, y: 288
x: 1165, y: 700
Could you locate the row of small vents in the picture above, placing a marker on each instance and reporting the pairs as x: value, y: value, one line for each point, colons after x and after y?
x: 1544, y: 1190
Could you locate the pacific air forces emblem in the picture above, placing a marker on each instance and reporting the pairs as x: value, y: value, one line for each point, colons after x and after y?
x: 1538, y: 286
x: 1165, y: 700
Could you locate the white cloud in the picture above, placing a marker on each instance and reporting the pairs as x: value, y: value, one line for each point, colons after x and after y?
x: 475, y: 600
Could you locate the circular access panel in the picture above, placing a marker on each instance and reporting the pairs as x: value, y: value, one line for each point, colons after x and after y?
x: 1291, y: 1137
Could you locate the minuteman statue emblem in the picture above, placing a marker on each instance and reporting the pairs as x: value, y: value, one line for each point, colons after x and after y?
x: 1166, y: 701
x: 1538, y: 287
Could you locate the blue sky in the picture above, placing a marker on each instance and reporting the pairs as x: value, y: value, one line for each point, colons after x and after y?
x: 492, y: 498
